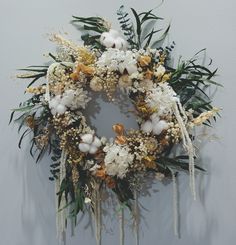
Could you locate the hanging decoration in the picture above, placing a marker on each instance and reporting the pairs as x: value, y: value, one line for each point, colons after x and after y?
x: 169, y: 101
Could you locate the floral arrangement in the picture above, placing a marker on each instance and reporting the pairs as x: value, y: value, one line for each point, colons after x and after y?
x: 170, y: 102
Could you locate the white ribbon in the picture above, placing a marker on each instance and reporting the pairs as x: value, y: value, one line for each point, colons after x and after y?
x: 61, y: 212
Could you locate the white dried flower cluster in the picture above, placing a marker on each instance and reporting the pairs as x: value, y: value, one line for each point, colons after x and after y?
x: 162, y: 98
x: 56, y: 71
x: 73, y: 99
x: 117, y: 160
x: 118, y: 60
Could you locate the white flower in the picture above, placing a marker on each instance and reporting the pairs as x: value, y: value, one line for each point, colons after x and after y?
x: 154, y: 125
x: 116, y: 60
x: 161, y: 98
x: 90, y: 143
x: 125, y: 81
x: 160, y: 71
x: 117, y: 160
x: 87, y: 200
x: 57, y: 70
x: 96, y: 84
x: 80, y: 99
x: 113, y: 39
x: 146, y: 84
x: 73, y: 99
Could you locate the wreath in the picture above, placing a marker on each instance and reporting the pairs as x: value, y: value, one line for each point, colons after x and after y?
x: 169, y: 103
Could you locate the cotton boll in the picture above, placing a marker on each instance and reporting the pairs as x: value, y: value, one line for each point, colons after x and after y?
x: 147, y: 126
x: 93, y: 149
x: 155, y: 118
x: 66, y: 100
x: 53, y: 103
x: 131, y: 69
x: 104, y: 36
x: 108, y: 42
x: 53, y: 111
x: 159, y: 127
x: 120, y: 43
x: 84, y: 147
x: 96, y: 142
x: 87, y: 138
x: 60, y: 109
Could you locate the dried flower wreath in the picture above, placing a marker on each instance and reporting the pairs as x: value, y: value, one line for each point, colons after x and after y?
x: 169, y: 102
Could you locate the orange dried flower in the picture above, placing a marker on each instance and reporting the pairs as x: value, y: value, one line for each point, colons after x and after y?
x: 144, y: 60
x: 120, y: 139
x: 110, y: 182
x: 118, y: 128
x: 88, y: 70
x: 149, y: 74
x: 74, y: 76
x: 101, y: 173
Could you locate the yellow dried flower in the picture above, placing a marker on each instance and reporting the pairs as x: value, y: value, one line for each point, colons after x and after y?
x: 166, y: 77
x: 88, y: 70
x: 149, y: 162
x: 144, y: 60
x: 86, y: 57
x: 204, y: 117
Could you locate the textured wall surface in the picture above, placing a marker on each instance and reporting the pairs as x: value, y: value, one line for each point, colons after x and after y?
x: 27, y: 215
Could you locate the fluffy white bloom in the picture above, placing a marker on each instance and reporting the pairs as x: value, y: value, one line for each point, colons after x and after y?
x: 160, y: 71
x: 117, y: 60
x: 73, y: 99
x: 117, y: 160
x: 80, y: 99
x: 154, y: 125
x: 146, y: 84
x: 162, y: 98
x: 90, y: 143
x: 113, y: 39
x: 57, y: 70
x: 87, y: 200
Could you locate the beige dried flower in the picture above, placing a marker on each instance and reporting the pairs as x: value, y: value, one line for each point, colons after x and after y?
x: 125, y: 81
x: 96, y: 84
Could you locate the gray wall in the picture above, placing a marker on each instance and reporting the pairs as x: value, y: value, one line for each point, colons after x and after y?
x: 27, y: 196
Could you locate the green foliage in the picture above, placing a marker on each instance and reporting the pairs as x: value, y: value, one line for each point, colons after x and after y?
x: 37, y: 73
x: 178, y: 163
x: 127, y: 27
x: 94, y: 27
x: 136, y: 35
x: 190, y: 81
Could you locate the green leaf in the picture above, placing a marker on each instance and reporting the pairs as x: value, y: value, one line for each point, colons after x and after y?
x: 138, y: 25
x: 22, y: 137
x: 161, y: 39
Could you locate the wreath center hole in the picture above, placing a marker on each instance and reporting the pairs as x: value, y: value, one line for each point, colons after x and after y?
x: 103, y: 114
